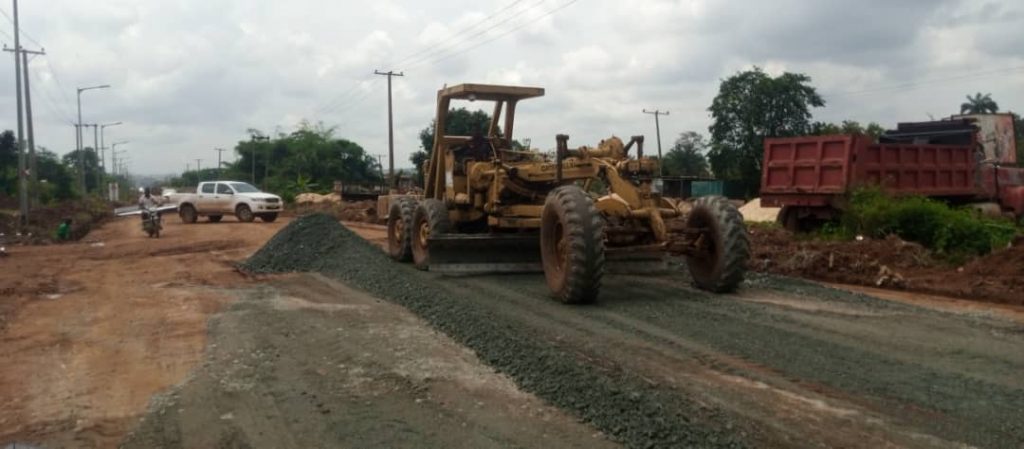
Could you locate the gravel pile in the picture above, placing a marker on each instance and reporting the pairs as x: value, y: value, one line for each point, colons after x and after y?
x: 619, y: 404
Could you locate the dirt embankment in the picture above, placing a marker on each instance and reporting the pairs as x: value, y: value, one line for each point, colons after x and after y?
x: 85, y: 214
x: 355, y: 211
x: 890, y: 263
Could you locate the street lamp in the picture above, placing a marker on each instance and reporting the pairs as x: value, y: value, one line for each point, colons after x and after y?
x: 113, y: 154
x: 81, y: 153
x: 103, y: 146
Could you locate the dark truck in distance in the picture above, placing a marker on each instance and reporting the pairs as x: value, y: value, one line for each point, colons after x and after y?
x: 966, y: 160
x: 215, y: 199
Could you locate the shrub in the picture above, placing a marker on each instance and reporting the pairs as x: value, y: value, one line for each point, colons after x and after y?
x: 932, y: 223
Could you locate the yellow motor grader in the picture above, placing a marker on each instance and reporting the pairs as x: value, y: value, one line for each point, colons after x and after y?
x: 489, y: 206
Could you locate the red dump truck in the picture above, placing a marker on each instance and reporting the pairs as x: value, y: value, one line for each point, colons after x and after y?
x: 969, y: 160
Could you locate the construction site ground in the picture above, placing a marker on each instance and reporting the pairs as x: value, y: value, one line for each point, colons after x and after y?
x: 122, y: 340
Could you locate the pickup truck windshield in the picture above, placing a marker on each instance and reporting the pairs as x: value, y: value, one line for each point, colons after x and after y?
x: 242, y: 187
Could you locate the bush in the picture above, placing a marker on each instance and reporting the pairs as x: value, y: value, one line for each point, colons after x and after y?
x: 932, y: 223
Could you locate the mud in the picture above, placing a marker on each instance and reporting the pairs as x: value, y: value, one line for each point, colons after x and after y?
x: 656, y: 363
x: 890, y: 263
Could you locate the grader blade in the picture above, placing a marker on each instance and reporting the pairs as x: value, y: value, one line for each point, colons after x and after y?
x: 647, y: 259
x: 484, y: 253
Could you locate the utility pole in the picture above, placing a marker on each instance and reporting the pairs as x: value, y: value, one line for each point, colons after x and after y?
x: 657, y: 128
x: 391, y: 131
x: 96, y: 150
x: 22, y: 181
x: 219, y: 152
x: 30, y: 162
x: 113, y: 155
x: 199, y: 170
x: 254, y: 139
x: 380, y: 167
x: 103, y: 144
x: 81, y: 142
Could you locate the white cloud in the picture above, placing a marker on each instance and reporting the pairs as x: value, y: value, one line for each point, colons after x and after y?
x: 191, y: 75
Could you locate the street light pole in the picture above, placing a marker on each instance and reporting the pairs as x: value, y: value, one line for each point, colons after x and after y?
x: 81, y: 149
x: 113, y: 155
x: 103, y: 145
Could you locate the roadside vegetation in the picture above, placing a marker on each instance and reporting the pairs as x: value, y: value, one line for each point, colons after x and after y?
x: 952, y: 232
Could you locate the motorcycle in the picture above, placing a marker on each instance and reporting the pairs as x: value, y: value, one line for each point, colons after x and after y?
x: 151, y: 223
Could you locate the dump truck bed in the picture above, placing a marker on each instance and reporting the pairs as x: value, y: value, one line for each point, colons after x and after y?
x: 815, y: 170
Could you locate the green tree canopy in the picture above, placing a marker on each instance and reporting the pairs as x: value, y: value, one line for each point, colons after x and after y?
x: 873, y: 129
x: 311, y: 157
x: 750, y: 106
x: 687, y: 156
x: 92, y: 166
x: 459, y: 122
x: 979, y: 104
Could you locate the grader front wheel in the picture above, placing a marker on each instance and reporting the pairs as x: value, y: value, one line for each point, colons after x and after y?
x: 572, y: 245
x: 431, y: 217
x: 399, y: 227
x: 720, y: 259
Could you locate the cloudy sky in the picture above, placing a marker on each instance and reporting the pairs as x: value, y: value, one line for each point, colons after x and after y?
x: 192, y: 75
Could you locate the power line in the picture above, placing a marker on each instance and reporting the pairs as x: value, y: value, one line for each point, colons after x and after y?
x: 22, y: 30
x: 914, y: 84
x: 458, y: 35
x: 50, y: 102
x: 352, y: 91
x: 496, y: 37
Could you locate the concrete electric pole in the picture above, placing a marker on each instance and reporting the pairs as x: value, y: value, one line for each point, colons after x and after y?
x: 219, y: 152
x: 199, y: 172
x: 22, y: 179
x: 30, y: 161
x: 81, y: 142
x: 391, y: 131
x: 657, y: 129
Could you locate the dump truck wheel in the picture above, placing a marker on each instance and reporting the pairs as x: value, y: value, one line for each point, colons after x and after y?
x: 188, y: 214
x: 431, y: 218
x: 723, y: 249
x: 399, y: 227
x: 572, y: 245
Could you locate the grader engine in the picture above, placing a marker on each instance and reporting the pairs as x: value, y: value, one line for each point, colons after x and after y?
x: 490, y: 208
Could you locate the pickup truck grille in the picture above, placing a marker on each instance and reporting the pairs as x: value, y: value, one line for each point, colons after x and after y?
x: 273, y: 200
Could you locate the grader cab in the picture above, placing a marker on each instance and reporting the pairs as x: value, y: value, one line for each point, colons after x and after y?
x: 492, y: 206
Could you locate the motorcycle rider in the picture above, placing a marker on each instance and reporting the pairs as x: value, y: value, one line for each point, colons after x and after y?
x: 146, y: 202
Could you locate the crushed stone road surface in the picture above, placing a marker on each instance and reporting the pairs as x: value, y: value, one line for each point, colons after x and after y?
x: 657, y: 363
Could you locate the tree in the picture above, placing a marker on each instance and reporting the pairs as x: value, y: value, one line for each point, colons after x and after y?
x: 750, y: 106
x: 459, y: 122
x: 979, y: 104
x: 92, y: 166
x: 309, y: 157
x: 55, y: 180
x: 873, y: 129
x: 686, y: 157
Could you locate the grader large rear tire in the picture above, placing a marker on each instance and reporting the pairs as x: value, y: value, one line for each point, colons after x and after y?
x: 721, y: 261
x: 572, y: 245
x: 431, y: 218
x: 400, y: 228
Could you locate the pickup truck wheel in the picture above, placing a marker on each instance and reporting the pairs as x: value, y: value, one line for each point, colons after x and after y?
x: 244, y: 214
x: 268, y: 218
x: 188, y: 214
x: 215, y: 218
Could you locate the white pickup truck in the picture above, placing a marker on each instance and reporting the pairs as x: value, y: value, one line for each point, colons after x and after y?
x: 215, y: 199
